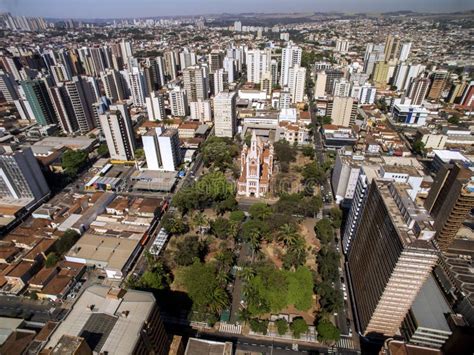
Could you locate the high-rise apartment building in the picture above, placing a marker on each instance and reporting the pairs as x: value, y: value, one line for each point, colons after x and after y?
x: 419, y: 90
x: 137, y: 83
x: 392, y: 47
x: 290, y: 56
x: 320, y: 85
x: 113, y: 85
x: 342, y: 110
x: 195, y: 83
x: 178, y: 102
x: 342, y: 46
x: 230, y: 66
x: 215, y: 60
x: 439, y: 79
x: 331, y: 76
x: 36, y: 94
x: 155, y: 106
x: 117, y: 128
x: 162, y: 149
x: 404, y: 51
x: 220, y: 81
x: 79, y: 95
x: 201, y: 110
x: 170, y: 65
x: 21, y: 178
x: 449, y: 201
x: 342, y: 87
x: 297, y: 82
x: 391, y: 257
x: 225, y: 120
x: 8, y: 87
x: 258, y: 63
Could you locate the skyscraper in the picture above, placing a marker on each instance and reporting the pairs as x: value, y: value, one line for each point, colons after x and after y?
x: 178, y: 102
x: 449, y: 201
x: 201, y: 110
x: 155, y: 106
x: 297, y: 82
x: 215, y: 59
x: 20, y: 176
x: 290, y: 56
x: 36, y: 94
x: 392, y: 47
x: 419, y: 90
x: 118, y: 131
x: 81, y: 104
x: 320, y: 86
x: 342, y: 110
x: 162, y: 149
x: 8, y: 87
x: 195, y: 83
x: 257, y: 64
x: 220, y: 81
x: 404, y: 51
x: 225, y: 120
x: 391, y: 257
x: 113, y: 85
x: 170, y: 65
x: 137, y: 83
x: 438, y: 84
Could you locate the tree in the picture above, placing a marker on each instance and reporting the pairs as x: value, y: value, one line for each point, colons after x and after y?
x: 259, y: 326
x: 103, y: 150
x: 218, y: 152
x: 336, y: 216
x: 204, y: 289
x: 295, y: 255
x: 324, y: 120
x: 308, y: 151
x: 418, y: 147
x: 282, y: 326
x: 229, y: 204
x: 188, y: 250
x: 284, y: 152
x: 139, y: 153
x: 324, y: 230
x: 327, y: 331
x: 69, y: 238
x: 174, y: 224
x: 288, y: 234
x: 237, y: 216
x: 73, y: 161
x: 260, y: 211
x: 454, y: 119
x: 156, y: 278
x: 51, y: 260
x: 298, y: 327
x: 220, y: 227
x: 199, y: 219
x: 300, y: 288
x: 330, y: 299
x: 314, y: 172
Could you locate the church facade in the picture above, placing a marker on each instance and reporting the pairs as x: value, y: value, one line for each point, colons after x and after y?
x: 256, y: 168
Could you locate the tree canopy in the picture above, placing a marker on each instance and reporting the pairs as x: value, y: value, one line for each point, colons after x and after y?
x: 73, y: 161
x: 327, y: 331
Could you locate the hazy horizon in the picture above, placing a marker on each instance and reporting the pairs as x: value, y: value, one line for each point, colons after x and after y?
x: 91, y: 9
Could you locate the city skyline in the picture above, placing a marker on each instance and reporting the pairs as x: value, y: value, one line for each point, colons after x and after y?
x: 89, y: 9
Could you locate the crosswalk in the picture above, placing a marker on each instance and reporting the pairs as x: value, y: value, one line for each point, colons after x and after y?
x: 345, y: 343
x: 230, y: 328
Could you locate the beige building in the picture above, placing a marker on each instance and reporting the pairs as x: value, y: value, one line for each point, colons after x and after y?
x: 342, y: 110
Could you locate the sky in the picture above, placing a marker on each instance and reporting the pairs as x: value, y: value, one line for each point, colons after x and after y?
x: 149, y: 8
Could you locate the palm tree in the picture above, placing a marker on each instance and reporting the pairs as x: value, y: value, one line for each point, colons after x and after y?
x: 222, y: 278
x: 234, y: 229
x: 219, y: 299
x: 288, y: 234
x: 247, y: 273
x: 254, y: 240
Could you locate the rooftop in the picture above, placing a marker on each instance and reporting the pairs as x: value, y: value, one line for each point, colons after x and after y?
x: 430, y: 307
x: 114, y: 320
